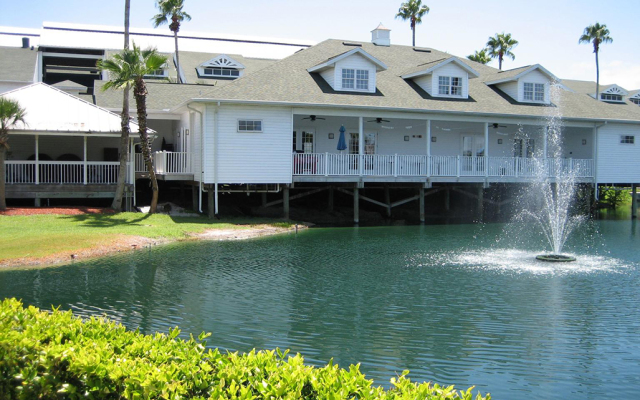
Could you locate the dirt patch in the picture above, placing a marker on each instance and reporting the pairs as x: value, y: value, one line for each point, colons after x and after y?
x: 240, y: 234
x: 56, y: 210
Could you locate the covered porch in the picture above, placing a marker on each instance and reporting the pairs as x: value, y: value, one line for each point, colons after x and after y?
x: 418, y: 150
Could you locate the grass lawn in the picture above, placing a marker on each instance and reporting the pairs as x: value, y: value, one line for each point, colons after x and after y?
x: 43, y: 235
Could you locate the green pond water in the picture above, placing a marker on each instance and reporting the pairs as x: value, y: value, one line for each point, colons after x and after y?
x: 452, y: 303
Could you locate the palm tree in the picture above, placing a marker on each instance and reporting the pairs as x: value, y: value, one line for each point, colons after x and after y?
x: 124, y: 124
x: 10, y: 114
x: 596, y: 34
x: 480, y: 56
x: 127, y: 69
x: 171, y: 10
x: 500, y: 46
x: 412, y: 10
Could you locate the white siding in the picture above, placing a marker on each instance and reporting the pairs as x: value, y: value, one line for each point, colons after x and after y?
x: 618, y: 163
x: 425, y: 83
x: 191, y: 121
x: 454, y: 71
x: 355, y: 62
x: 263, y: 157
x: 534, y: 76
x: 510, y: 88
x: 329, y: 75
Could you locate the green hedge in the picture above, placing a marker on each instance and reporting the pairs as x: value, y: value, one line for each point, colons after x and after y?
x: 55, y: 355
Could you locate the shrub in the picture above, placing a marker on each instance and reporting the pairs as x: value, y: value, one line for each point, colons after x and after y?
x: 55, y: 355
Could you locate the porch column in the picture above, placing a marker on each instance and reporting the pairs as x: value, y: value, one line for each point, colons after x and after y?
x: 634, y: 202
x: 37, y: 166
x: 356, y: 205
x: 285, y: 201
x: 428, y: 147
x: 486, y: 149
x: 84, y: 158
x: 360, y: 143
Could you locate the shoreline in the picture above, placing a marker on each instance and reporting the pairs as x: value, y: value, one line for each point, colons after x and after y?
x: 130, y: 243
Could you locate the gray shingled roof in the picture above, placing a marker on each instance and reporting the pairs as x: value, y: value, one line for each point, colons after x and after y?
x: 584, y: 87
x: 190, y: 60
x: 17, y: 64
x: 67, y: 84
x: 162, y: 96
x: 287, y: 81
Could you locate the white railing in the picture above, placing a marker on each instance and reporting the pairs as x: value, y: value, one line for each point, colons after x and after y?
x: 326, y: 164
x: 61, y: 172
x: 166, y: 162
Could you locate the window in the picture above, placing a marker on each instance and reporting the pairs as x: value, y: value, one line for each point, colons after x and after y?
x: 362, y: 79
x: 627, y: 139
x: 307, y: 142
x: 635, y: 101
x: 533, y: 91
x: 158, y: 73
x: 610, y: 97
x: 450, y: 86
x: 348, y: 76
x: 295, y: 141
x: 251, y: 125
x: 221, y: 71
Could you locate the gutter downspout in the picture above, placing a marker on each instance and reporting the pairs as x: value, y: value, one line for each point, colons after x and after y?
x: 201, y: 155
x: 595, y: 158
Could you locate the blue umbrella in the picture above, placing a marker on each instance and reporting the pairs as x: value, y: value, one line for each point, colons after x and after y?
x: 342, y: 144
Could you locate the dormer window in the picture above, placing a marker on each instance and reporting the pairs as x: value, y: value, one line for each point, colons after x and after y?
x: 533, y: 91
x: 610, y: 97
x: 162, y: 72
x: 447, y: 77
x: 450, y: 85
x: 221, y: 72
x: 351, y: 71
x: 221, y: 66
x: 636, y: 101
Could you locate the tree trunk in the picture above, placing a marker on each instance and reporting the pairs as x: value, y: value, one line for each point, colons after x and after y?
x: 500, y: 61
x: 175, y: 37
x: 140, y: 93
x: 3, y: 201
x: 413, y: 31
x: 124, y: 124
x: 597, y: 78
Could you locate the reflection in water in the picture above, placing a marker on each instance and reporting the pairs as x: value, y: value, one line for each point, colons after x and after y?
x: 431, y: 299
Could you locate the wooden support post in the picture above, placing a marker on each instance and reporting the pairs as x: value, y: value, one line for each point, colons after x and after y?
x: 356, y: 205
x: 387, y: 200
x: 194, y: 198
x: 211, y: 208
x: 421, y: 194
x: 634, y: 202
x: 447, y: 199
x: 264, y: 199
x: 330, y: 202
x: 480, y: 203
x: 36, y: 202
x: 285, y: 202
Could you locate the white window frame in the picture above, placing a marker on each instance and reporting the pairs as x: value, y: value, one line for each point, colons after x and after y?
x: 627, y: 139
x: 447, y: 85
x: 249, y: 126
x: 533, y: 92
x: 362, y: 79
x: 610, y: 97
x: 154, y: 74
x: 233, y: 72
x: 348, y: 78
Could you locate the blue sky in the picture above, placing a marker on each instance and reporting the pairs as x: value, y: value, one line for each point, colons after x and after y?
x: 548, y: 31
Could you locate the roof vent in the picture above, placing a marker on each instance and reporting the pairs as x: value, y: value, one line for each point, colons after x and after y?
x: 25, y: 42
x: 381, y: 36
x: 352, y: 44
x: 421, y: 49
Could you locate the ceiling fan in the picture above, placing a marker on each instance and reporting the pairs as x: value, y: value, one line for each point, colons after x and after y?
x: 313, y: 118
x: 495, y: 126
x: 379, y: 120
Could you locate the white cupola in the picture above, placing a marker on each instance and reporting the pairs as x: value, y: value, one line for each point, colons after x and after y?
x: 381, y: 36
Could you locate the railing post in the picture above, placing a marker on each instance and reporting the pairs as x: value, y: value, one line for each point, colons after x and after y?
x: 395, y: 166
x: 428, y: 166
x: 571, y: 165
x: 458, y: 167
x: 486, y: 166
x: 360, y: 163
x: 37, y: 163
x: 517, y: 165
x: 326, y: 163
